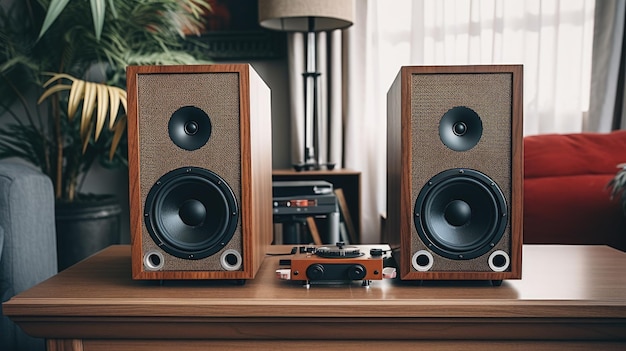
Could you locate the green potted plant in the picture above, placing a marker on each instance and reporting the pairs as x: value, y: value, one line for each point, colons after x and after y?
x: 63, y: 99
x: 617, y: 186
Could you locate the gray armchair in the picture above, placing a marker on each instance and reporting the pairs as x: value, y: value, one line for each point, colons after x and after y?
x: 27, y: 242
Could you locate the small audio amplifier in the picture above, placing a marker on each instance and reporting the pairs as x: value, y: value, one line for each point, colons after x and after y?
x: 340, y: 263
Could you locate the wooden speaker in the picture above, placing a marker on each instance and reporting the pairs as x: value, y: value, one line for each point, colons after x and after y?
x: 200, y: 159
x: 455, y: 172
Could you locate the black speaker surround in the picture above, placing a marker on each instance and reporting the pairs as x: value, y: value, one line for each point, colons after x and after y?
x: 460, y: 214
x: 191, y: 213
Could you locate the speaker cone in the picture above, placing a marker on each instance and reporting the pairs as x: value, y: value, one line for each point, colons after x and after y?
x: 460, y: 129
x: 189, y: 128
x: 460, y: 214
x: 191, y: 213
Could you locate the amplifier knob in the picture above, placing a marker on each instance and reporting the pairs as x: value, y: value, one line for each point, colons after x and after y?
x: 356, y: 272
x: 315, y: 272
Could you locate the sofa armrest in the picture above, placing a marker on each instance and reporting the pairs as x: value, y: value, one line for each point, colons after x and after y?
x: 28, y: 254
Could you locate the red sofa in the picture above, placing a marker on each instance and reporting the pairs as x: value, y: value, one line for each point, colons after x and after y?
x: 566, y: 199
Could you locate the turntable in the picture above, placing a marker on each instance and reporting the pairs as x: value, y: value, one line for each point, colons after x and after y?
x: 339, y: 263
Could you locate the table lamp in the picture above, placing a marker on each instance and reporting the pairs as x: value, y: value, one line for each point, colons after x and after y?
x: 308, y: 16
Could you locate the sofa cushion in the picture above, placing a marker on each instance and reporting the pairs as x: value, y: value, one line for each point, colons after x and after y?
x: 559, y: 155
x: 566, y: 199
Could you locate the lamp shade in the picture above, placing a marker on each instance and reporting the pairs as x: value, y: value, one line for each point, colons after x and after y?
x: 306, y: 15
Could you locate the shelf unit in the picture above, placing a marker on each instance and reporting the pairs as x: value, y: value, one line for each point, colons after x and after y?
x: 347, y: 180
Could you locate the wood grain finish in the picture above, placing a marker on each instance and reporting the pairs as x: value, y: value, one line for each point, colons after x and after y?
x: 239, y: 147
x: 265, y: 345
x: 569, y: 297
x: 416, y: 102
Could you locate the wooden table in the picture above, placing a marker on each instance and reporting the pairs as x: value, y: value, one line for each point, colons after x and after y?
x: 570, y: 297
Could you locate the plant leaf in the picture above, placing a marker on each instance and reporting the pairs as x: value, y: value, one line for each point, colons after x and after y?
x: 198, y: 8
x: 98, y: 9
x: 103, y: 107
x: 55, y: 77
x: 91, y: 90
x: 120, y: 128
x: 123, y: 99
x: 54, y: 89
x: 54, y: 10
x: 112, y: 7
x: 85, y: 144
x: 114, y: 98
x: 76, y: 95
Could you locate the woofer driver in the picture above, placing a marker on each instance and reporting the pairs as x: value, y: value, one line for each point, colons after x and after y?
x: 460, y: 214
x: 191, y: 213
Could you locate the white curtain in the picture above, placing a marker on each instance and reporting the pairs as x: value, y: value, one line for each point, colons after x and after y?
x: 606, y: 91
x: 551, y: 38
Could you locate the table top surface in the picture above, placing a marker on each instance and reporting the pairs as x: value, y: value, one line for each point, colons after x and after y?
x: 557, y: 281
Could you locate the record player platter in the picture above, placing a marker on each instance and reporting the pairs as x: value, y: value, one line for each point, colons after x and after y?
x: 339, y: 251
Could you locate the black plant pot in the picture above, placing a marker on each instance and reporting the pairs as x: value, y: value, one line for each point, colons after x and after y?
x: 85, y: 227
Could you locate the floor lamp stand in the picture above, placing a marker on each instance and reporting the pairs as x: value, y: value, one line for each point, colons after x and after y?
x: 312, y: 129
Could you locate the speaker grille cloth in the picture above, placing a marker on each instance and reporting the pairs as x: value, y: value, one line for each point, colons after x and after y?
x: 490, y: 96
x: 217, y: 94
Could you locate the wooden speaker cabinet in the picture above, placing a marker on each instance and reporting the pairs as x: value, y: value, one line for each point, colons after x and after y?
x: 455, y: 172
x: 200, y: 158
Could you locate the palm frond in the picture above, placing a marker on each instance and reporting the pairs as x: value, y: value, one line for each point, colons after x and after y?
x: 98, y: 11
x: 103, y: 108
x: 116, y: 95
x: 104, y: 99
x: 89, y: 103
x: 118, y: 132
x: 76, y: 95
x: 54, y: 10
x: 81, y: 115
